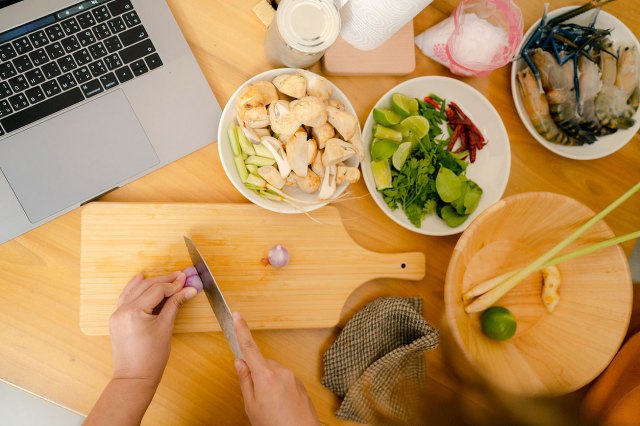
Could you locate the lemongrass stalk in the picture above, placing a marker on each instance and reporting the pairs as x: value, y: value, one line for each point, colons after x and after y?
x: 485, y: 286
x: 492, y: 296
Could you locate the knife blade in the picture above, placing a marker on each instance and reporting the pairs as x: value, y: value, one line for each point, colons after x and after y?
x: 215, y: 297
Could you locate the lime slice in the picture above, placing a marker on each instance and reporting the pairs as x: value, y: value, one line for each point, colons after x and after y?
x: 383, y: 149
x: 401, y: 155
x: 498, y: 323
x: 386, y: 117
x: 381, y: 132
x: 381, y: 174
x: 403, y: 105
x: 417, y: 125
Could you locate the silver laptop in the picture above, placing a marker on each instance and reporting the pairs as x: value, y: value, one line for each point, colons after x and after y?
x: 93, y: 95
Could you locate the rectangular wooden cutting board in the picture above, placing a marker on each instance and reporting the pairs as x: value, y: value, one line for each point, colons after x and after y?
x: 120, y: 239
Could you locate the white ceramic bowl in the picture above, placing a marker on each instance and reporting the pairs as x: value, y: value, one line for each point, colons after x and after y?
x: 605, y: 145
x: 226, y: 155
x: 493, y: 162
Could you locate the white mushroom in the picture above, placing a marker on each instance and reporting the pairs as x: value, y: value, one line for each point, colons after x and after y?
x: 323, y: 133
x: 297, y: 153
x: 263, y: 90
x: 336, y: 104
x: 309, y: 183
x: 317, y: 86
x: 256, y: 117
x: 271, y: 175
x: 309, y: 111
x: 291, y: 180
x: 282, y: 120
x: 275, y: 148
x: 312, y: 151
x: 252, y: 103
x: 336, y: 151
x: 250, y: 98
x: 317, y: 165
x: 293, y: 85
x: 350, y: 174
x: 345, y: 123
x: 328, y: 187
x: 358, y: 144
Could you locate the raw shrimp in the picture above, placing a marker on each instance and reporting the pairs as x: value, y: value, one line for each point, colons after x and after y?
x: 557, y: 81
x: 617, y: 102
x: 537, y: 107
x: 590, y: 85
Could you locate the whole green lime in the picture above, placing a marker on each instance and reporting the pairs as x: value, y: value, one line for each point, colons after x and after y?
x: 498, y: 323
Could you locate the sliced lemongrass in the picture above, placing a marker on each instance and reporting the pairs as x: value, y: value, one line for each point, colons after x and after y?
x: 493, y: 295
x: 485, y: 286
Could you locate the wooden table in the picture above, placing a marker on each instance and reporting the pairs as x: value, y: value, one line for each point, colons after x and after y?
x: 43, y: 350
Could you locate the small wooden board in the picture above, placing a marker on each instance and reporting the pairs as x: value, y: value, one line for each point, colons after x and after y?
x: 120, y: 239
x: 396, y: 56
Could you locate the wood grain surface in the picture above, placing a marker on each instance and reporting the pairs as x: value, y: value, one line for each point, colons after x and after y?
x: 43, y: 349
x: 595, y: 296
x: 120, y: 239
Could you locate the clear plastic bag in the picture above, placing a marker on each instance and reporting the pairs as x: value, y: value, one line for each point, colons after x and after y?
x: 478, y: 37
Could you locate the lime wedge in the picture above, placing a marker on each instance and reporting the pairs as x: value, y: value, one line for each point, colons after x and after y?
x: 383, y: 149
x: 401, y: 155
x: 498, y: 323
x: 417, y: 125
x: 381, y: 174
x: 386, y: 117
x: 403, y: 105
x: 382, y: 132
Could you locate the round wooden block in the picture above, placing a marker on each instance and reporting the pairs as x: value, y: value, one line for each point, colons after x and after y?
x: 551, y: 353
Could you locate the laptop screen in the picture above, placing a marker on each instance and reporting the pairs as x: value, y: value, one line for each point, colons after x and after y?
x: 4, y: 3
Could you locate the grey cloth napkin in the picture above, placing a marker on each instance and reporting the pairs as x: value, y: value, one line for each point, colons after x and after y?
x: 378, y: 360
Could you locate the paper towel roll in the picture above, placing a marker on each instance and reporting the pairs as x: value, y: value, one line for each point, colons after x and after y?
x: 366, y: 24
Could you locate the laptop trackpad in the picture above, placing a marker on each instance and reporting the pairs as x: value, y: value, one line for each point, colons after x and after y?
x: 75, y: 156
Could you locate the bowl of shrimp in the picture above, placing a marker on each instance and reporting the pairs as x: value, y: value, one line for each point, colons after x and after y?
x: 576, y: 82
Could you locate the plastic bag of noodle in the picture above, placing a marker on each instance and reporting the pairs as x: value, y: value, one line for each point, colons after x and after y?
x: 478, y: 37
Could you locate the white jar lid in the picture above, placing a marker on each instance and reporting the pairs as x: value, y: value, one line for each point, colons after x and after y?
x: 309, y: 26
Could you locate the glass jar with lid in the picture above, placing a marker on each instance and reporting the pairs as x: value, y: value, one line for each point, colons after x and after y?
x: 301, y: 32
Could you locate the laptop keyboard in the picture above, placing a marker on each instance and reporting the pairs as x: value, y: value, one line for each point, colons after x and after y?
x: 62, y: 59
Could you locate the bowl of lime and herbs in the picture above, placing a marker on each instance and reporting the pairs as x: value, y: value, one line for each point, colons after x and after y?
x: 437, y: 154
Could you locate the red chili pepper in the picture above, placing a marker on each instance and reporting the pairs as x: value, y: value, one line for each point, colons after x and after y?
x: 432, y: 102
x: 457, y: 109
x: 454, y: 137
x: 450, y: 114
x: 466, y: 120
x: 472, y: 147
x: 463, y: 139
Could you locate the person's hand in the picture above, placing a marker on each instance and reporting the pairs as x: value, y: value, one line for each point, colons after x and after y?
x: 273, y: 395
x: 140, y: 335
x: 141, y: 331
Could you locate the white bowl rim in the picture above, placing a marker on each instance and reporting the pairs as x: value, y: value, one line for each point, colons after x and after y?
x: 276, y: 207
x: 524, y: 117
x: 366, y: 163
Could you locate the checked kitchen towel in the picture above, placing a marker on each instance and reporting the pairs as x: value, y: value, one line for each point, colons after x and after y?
x: 378, y: 360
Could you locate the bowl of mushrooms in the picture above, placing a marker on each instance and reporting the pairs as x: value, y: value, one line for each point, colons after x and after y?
x: 290, y: 141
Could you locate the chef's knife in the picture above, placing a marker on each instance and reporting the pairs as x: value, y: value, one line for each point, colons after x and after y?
x: 215, y: 297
